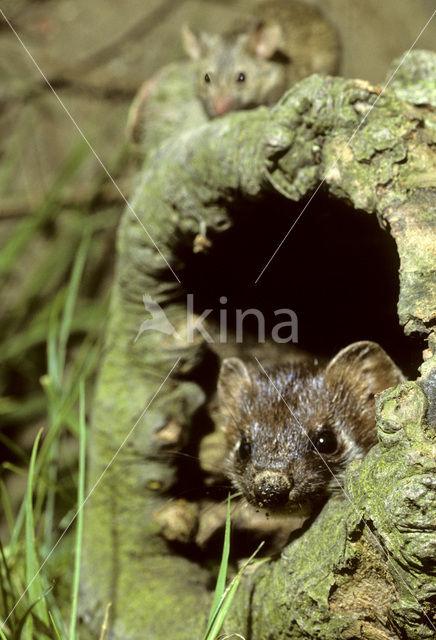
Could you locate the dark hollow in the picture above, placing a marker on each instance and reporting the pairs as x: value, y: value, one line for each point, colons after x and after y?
x: 338, y: 270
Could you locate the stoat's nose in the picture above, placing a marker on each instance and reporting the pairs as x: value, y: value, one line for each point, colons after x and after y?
x: 271, y: 489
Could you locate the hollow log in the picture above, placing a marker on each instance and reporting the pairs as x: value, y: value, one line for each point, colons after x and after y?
x: 365, y: 568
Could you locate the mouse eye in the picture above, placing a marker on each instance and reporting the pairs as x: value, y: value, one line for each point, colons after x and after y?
x: 241, y: 77
x: 244, y: 449
x: 325, y: 442
x: 207, y: 78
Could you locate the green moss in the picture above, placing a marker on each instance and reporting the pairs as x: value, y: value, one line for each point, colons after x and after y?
x: 191, y: 177
x: 414, y: 79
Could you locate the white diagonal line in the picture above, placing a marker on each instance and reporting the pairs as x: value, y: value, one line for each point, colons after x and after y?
x: 300, y: 425
x: 347, y: 144
x: 378, y: 544
x: 97, y: 482
x: 97, y: 157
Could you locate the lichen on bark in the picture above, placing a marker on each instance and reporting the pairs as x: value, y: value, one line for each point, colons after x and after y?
x: 374, y: 151
x: 366, y: 567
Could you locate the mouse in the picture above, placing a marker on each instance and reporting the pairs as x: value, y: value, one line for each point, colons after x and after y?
x: 291, y: 430
x: 280, y: 43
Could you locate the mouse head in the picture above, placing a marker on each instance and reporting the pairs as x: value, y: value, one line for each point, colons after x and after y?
x: 238, y: 70
x: 292, y: 430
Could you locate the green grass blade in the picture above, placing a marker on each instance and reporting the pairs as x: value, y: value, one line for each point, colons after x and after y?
x: 10, y: 466
x: 54, y: 626
x: 63, y: 413
x: 87, y: 317
x: 6, y: 585
x: 14, y: 448
x: 20, y: 409
x: 79, y: 520
x: 6, y: 504
x: 70, y: 301
x: 49, y: 497
x: 27, y: 618
x: 221, y: 579
x: 24, y: 231
x: 52, y: 379
x: 53, y: 383
x: 227, y: 598
x: 18, y: 526
x: 52, y: 269
x: 32, y: 569
x: 85, y: 361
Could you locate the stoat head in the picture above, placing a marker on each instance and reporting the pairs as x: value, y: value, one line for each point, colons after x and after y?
x: 293, y: 429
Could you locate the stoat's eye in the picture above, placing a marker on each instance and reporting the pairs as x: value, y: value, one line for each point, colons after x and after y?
x: 206, y: 78
x: 244, y: 449
x: 241, y: 77
x: 325, y: 441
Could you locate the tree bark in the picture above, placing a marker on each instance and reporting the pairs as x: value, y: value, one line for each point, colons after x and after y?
x: 365, y: 568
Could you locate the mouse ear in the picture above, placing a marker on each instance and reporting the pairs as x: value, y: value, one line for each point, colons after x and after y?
x: 367, y: 366
x: 266, y: 39
x: 232, y: 380
x: 194, y: 44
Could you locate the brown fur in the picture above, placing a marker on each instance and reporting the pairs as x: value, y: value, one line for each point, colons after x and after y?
x: 275, y: 419
x: 282, y: 42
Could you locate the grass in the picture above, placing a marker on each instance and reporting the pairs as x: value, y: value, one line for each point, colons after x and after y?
x: 33, y: 609
x: 51, y: 331
x: 223, y: 596
x: 79, y: 523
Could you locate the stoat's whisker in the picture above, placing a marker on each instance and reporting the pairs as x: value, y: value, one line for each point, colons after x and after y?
x: 238, y: 494
x: 223, y: 468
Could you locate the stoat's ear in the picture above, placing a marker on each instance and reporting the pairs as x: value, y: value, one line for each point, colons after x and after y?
x: 266, y: 39
x: 194, y: 44
x: 233, y: 379
x: 367, y: 367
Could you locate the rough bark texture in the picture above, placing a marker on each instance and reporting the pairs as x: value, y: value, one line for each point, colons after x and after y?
x: 334, y: 580
x: 366, y: 566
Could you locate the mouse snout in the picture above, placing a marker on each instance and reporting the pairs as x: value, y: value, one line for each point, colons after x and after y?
x: 271, y: 489
x: 221, y: 105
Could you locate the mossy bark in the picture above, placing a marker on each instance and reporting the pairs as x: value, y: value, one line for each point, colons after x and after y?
x: 323, y: 585
x: 366, y: 566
